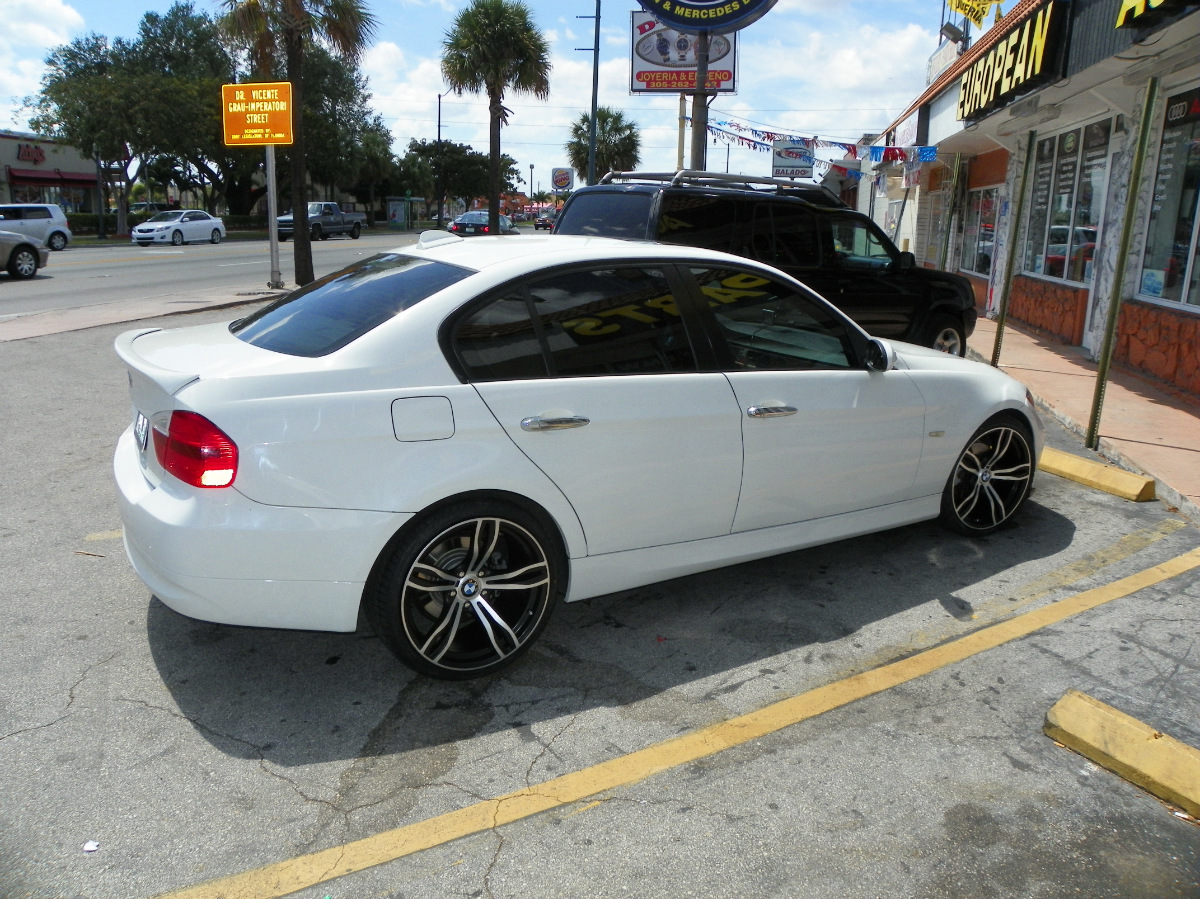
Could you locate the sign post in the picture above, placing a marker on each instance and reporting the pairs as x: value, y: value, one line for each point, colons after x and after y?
x: 260, y: 115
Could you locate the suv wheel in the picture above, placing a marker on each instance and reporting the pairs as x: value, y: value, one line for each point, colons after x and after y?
x: 946, y: 333
x: 57, y: 241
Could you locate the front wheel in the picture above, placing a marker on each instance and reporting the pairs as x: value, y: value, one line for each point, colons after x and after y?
x: 946, y: 333
x: 991, y: 478
x: 355, y: 231
x: 468, y: 590
x: 177, y: 239
x: 215, y: 237
x: 23, y: 263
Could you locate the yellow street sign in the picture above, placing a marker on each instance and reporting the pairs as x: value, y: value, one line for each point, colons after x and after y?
x: 257, y: 114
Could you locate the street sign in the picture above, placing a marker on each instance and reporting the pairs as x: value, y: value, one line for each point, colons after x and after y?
x: 255, y: 115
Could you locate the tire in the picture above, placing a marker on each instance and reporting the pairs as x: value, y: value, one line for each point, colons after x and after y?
x: 215, y: 237
x: 23, y: 263
x: 315, y: 233
x: 355, y: 231
x: 945, y: 333
x: 466, y: 591
x: 177, y: 239
x: 57, y: 241
x: 991, y: 477
x: 283, y: 238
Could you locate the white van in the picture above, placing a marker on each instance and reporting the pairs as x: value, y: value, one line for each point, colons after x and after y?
x: 44, y: 222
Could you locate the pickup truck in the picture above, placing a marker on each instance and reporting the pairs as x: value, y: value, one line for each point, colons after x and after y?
x: 325, y: 219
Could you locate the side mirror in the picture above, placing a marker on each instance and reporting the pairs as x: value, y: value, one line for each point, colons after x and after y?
x: 880, y: 356
x: 907, y: 261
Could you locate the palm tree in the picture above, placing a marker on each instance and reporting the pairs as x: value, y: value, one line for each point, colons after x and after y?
x: 491, y: 47
x: 266, y: 26
x: 618, y: 143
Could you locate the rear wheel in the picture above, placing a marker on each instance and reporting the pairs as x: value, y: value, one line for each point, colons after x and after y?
x: 315, y: 233
x: 946, y: 333
x: 215, y: 237
x: 23, y: 263
x: 991, y: 478
x: 468, y: 590
x: 57, y: 241
x: 355, y: 231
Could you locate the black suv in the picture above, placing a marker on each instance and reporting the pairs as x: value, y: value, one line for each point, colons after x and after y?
x: 804, y: 230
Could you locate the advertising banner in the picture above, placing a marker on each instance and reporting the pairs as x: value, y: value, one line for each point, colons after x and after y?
x: 664, y: 59
x: 791, y: 159
x: 692, y: 16
x: 562, y: 179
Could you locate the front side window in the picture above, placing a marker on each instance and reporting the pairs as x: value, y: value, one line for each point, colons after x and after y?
x: 331, y: 312
x: 858, y: 246
x: 771, y: 326
x: 1171, y: 264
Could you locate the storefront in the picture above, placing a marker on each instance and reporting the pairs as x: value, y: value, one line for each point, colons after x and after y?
x: 35, y: 170
x: 1070, y: 80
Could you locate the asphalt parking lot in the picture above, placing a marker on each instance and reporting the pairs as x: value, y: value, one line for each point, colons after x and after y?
x: 839, y: 721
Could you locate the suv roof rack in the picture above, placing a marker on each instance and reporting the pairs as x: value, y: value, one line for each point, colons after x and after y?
x: 693, y: 176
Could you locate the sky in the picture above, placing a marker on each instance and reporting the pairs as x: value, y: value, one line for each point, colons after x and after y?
x: 833, y: 69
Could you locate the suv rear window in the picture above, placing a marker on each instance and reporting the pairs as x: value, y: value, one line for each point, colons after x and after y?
x: 331, y: 312
x: 623, y: 214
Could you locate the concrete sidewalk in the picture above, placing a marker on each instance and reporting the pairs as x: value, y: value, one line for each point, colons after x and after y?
x: 1142, y: 428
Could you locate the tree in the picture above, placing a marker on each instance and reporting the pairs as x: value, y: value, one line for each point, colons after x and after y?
x: 269, y: 27
x: 492, y: 47
x: 618, y: 143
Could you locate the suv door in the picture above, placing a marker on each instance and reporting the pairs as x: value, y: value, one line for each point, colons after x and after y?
x: 822, y: 435
x: 14, y: 220
x: 866, y: 280
x: 592, y: 373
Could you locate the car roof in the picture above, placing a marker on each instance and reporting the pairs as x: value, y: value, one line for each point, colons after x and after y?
x: 651, y: 182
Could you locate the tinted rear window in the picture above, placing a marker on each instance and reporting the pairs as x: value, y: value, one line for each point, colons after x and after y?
x: 329, y: 313
x: 622, y: 214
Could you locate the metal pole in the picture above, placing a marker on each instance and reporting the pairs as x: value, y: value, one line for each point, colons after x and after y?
x: 1114, y: 302
x: 591, y: 174
x: 950, y: 210
x: 682, y: 128
x: 276, y: 282
x: 1011, y: 255
x: 700, y: 104
x: 440, y: 198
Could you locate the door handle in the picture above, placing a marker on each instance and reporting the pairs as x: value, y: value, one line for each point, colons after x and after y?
x: 770, y: 411
x: 537, y: 423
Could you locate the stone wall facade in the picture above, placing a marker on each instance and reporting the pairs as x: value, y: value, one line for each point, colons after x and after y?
x: 1162, y: 342
x: 1054, y: 307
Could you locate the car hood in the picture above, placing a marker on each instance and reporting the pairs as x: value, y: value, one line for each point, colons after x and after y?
x: 923, y: 358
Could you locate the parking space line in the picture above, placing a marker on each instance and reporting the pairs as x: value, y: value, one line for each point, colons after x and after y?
x: 282, y: 878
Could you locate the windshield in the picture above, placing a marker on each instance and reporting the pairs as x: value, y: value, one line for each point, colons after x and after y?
x: 166, y: 216
x: 328, y: 314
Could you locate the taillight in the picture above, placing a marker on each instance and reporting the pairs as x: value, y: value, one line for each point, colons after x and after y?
x: 195, y: 450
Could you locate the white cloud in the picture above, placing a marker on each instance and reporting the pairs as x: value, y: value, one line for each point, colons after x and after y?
x: 31, y: 29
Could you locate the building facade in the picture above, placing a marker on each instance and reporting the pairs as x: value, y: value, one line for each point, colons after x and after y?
x: 1036, y: 127
x: 36, y: 170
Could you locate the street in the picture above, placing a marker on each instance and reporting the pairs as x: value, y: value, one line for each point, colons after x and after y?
x: 181, y: 751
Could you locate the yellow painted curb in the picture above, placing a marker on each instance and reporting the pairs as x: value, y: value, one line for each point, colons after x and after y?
x: 1116, y: 481
x: 1142, y: 755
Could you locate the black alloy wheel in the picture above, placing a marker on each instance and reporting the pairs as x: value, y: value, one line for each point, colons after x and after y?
x: 991, y: 478
x: 466, y: 592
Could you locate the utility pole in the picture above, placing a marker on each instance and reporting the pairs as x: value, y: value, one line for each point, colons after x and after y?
x: 700, y: 104
x: 591, y: 170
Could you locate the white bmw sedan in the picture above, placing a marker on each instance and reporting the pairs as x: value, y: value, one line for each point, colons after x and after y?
x: 458, y: 435
x: 179, y: 226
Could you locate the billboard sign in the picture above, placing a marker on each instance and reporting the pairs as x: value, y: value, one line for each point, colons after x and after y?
x: 791, y: 159
x: 562, y: 179
x: 254, y: 115
x: 691, y: 16
x: 664, y: 59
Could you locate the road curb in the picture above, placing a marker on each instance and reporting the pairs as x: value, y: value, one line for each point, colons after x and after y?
x: 1117, y: 481
x: 1157, y: 763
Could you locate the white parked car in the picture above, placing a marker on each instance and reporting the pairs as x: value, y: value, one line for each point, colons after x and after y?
x: 458, y: 435
x: 179, y: 226
x: 42, y: 223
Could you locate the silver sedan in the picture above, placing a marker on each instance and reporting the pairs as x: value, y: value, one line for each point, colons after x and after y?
x: 20, y: 256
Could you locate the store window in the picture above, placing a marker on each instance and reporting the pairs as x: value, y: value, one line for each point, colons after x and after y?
x: 1170, y: 268
x: 979, y: 231
x: 1070, y: 178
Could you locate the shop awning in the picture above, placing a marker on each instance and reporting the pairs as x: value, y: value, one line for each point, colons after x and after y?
x: 49, y: 177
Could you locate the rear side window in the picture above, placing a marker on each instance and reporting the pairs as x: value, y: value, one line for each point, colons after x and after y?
x: 329, y: 313
x: 697, y: 220
x: 785, y: 235
x: 37, y: 212
x: 623, y: 214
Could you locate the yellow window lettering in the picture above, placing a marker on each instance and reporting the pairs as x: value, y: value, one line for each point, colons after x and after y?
x: 730, y: 296
x: 630, y: 311
x: 666, y: 304
x: 590, y: 327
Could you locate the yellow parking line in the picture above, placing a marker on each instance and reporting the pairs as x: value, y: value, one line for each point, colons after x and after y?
x: 304, y: 871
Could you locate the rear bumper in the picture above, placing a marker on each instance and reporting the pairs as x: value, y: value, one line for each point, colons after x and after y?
x: 219, y: 556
